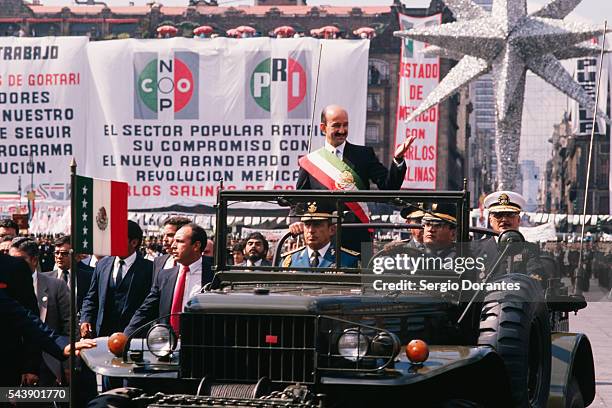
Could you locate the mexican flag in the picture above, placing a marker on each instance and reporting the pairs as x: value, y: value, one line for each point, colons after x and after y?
x: 101, y: 217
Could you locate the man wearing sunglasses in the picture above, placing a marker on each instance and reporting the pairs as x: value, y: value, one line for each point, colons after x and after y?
x: 62, y: 254
x: 504, y: 214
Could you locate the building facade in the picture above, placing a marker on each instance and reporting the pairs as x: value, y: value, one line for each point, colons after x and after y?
x: 100, y: 22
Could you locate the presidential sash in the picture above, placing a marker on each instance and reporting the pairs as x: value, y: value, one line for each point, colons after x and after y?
x: 335, y: 174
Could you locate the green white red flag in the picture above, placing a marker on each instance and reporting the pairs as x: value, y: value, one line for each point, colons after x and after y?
x: 335, y: 174
x: 101, y: 216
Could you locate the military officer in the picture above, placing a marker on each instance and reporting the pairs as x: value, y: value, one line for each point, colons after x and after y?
x: 504, y: 214
x: 439, y: 230
x: 319, y: 230
x: 414, y: 215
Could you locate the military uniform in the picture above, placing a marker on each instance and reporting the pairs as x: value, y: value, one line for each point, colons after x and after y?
x: 299, y: 258
x: 313, y: 212
x: 528, y: 260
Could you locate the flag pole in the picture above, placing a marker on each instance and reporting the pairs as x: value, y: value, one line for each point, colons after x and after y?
x: 314, y: 103
x: 73, y: 272
x: 581, y: 271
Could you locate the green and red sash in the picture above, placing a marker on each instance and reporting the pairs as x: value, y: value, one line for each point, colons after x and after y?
x: 335, y: 174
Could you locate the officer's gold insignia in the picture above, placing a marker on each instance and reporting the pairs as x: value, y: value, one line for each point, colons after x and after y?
x: 287, y: 261
x: 434, y: 206
x: 312, y: 207
x: 503, y: 199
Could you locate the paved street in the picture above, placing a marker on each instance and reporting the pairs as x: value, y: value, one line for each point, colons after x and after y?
x: 596, y: 322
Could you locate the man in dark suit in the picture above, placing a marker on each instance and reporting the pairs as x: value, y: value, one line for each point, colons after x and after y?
x: 54, y: 304
x: 504, y: 214
x: 361, y: 162
x: 169, y: 228
x: 173, y: 287
x: 62, y: 270
x: 256, y: 250
x: 118, y: 288
x: 20, y: 323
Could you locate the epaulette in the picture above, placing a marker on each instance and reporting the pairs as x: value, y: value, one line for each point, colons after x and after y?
x: 349, y: 251
x: 292, y: 251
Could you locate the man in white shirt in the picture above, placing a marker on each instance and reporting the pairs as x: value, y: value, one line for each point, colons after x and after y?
x: 174, y: 287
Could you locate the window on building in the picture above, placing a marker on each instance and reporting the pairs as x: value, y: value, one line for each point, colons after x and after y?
x: 372, y: 133
x: 378, y: 72
x: 374, y: 102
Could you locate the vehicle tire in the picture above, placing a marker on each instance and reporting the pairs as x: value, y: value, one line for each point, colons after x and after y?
x: 516, y: 324
x: 574, y: 399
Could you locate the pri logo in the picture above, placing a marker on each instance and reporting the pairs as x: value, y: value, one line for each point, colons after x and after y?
x: 166, y: 85
x: 277, y: 86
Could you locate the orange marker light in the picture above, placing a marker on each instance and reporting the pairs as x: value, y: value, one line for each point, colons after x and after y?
x: 116, y: 343
x: 417, y: 351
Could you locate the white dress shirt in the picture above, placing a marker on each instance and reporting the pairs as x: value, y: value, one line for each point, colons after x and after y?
x: 169, y: 263
x: 338, y: 151
x: 321, y: 252
x: 193, y: 282
x: 257, y: 263
x: 129, y: 261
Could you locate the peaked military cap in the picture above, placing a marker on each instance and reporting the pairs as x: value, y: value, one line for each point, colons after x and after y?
x: 504, y: 201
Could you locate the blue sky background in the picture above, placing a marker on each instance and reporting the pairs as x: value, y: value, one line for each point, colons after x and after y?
x: 593, y: 10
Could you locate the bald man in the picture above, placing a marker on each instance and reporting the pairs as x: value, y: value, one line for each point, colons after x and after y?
x: 352, y: 167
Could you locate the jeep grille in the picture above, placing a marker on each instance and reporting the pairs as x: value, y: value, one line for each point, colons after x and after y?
x: 246, y: 347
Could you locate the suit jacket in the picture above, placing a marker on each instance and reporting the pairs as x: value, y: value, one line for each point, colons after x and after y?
x: 365, y: 163
x: 19, y: 323
x: 16, y: 279
x: 83, y: 282
x: 158, y: 264
x: 299, y: 257
x: 159, y: 300
x: 54, y: 304
x: 139, y: 286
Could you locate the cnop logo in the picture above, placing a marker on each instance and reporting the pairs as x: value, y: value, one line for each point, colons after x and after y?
x: 166, y: 85
x: 277, y: 86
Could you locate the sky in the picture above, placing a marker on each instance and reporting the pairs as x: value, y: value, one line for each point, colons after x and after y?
x: 592, y: 10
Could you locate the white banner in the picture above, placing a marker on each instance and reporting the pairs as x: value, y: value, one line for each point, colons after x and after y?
x: 541, y: 233
x: 418, y: 76
x: 43, y: 103
x: 173, y: 117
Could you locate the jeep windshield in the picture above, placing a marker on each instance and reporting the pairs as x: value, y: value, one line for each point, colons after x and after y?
x: 387, y: 263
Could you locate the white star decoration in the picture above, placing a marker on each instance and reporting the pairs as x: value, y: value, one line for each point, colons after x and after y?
x: 85, y: 243
x: 84, y: 216
x: 84, y: 190
x: 507, y: 42
x: 84, y: 203
x: 85, y: 230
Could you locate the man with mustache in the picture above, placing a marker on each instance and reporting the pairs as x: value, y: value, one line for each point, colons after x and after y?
x: 504, y: 214
x: 341, y: 165
x: 255, y: 250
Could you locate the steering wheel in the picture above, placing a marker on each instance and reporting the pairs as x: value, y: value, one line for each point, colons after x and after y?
x: 279, y: 246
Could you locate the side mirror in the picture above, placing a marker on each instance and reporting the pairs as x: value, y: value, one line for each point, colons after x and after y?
x: 511, y: 241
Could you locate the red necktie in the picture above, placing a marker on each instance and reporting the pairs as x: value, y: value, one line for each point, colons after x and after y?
x: 177, y: 300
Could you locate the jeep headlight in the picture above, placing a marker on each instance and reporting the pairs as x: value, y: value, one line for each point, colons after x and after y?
x: 353, y: 344
x: 161, y: 340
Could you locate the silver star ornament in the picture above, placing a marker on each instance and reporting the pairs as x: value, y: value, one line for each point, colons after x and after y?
x: 507, y: 42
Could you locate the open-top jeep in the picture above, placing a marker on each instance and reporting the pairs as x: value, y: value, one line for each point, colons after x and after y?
x: 338, y: 337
